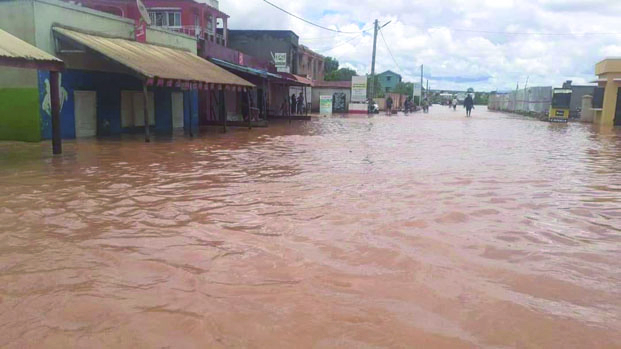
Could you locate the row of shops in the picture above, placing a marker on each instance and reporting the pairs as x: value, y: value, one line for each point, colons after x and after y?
x: 107, y: 81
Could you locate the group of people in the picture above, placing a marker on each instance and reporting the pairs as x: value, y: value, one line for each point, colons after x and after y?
x: 468, y: 104
x: 409, y: 105
x: 297, y: 104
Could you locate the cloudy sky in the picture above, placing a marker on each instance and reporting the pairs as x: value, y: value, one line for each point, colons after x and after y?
x: 485, y: 44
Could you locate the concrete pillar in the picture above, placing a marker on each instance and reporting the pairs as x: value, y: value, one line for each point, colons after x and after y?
x: 57, y: 147
x: 610, y: 104
x: 586, y: 113
x: 225, y: 32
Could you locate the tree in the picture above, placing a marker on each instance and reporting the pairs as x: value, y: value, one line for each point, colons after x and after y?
x: 378, y: 88
x: 404, y: 88
x: 330, y: 65
x: 342, y: 74
x: 470, y: 90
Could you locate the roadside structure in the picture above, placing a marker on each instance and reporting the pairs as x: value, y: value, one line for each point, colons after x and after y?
x: 388, y: 80
x: 17, y: 53
x: 310, y: 64
x: 113, y: 84
x: 340, y: 92
x: 609, y: 78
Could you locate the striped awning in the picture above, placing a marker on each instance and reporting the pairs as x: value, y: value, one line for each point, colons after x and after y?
x: 15, y: 52
x: 153, y: 61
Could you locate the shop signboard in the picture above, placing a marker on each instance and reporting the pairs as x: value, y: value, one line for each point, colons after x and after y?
x: 358, y: 88
x: 325, y: 105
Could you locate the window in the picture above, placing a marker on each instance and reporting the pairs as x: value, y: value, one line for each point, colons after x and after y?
x: 387, y: 89
x: 165, y: 18
x: 388, y: 78
x: 210, y: 23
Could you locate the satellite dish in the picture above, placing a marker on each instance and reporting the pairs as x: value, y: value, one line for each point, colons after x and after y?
x: 143, y: 12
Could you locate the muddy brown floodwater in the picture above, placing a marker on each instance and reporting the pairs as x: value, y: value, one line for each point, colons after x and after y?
x: 426, y: 231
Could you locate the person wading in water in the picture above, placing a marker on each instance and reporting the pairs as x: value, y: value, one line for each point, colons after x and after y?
x: 469, y: 105
x: 388, y: 106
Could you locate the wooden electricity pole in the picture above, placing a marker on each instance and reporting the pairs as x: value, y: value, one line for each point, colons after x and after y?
x: 372, y: 90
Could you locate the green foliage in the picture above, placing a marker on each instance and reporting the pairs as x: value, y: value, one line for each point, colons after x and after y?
x: 379, y: 93
x: 342, y: 74
x: 404, y: 88
x: 470, y: 90
x: 481, y: 98
x: 330, y: 65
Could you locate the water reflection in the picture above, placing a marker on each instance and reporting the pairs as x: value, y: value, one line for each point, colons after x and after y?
x: 427, y: 230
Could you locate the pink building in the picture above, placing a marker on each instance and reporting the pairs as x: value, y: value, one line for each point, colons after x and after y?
x: 199, y: 18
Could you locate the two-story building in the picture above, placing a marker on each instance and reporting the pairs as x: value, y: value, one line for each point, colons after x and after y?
x: 388, y: 80
x: 113, y: 83
x: 310, y: 64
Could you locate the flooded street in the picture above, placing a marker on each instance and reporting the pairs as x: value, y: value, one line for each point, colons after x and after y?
x: 428, y: 231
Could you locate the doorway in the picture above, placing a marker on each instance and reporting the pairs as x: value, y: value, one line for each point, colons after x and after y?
x: 617, y: 121
x: 85, y: 111
x: 177, y: 109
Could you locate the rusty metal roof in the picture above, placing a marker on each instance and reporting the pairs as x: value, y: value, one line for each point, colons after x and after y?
x: 18, y: 53
x: 153, y: 61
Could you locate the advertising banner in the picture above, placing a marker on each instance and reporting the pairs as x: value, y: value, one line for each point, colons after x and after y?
x: 325, y: 105
x: 358, y: 88
x: 280, y: 61
x: 417, y: 90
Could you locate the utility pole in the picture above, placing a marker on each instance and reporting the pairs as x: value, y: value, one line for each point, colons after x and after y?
x: 376, y: 26
x: 421, y: 84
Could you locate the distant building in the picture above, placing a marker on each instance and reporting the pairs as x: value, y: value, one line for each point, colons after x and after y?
x: 339, y: 90
x: 310, y: 64
x: 388, y: 80
x: 577, y: 92
x: 277, y: 46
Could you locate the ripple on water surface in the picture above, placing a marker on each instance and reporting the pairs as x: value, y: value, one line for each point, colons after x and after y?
x: 428, y: 230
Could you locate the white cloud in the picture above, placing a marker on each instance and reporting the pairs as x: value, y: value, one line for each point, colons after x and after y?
x: 458, y: 41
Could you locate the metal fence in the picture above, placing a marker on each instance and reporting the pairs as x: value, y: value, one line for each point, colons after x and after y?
x: 533, y: 100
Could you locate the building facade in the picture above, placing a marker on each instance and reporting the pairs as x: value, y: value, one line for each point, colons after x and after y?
x: 609, y: 78
x: 310, y: 64
x: 279, y: 47
x: 388, y: 80
x: 102, y: 93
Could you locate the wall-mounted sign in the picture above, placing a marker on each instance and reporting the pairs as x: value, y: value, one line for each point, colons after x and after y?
x: 280, y: 61
x: 358, y: 88
x: 325, y: 105
x: 417, y: 90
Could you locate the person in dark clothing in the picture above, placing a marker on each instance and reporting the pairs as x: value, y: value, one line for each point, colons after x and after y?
x: 469, y: 105
x: 388, y: 105
x: 293, y: 104
x: 300, y: 104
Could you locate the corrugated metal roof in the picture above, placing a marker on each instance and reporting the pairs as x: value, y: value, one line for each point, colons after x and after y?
x: 153, y: 61
x: 16, y: 49
x: 333, y: 84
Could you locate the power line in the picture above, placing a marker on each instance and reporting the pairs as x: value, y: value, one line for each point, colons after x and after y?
x: 342, y: 44
x: 388, y: 48
x: 311, y: 23
x: 524, y: 33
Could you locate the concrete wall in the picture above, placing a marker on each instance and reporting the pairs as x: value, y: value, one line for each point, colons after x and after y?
x: 262, y: 44
x: 319, y: 91
x: 575, y: 104
x: 19, y: 116
x: 167, y: 38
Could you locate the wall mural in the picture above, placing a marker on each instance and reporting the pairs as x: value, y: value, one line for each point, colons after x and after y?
x: 47, y: 104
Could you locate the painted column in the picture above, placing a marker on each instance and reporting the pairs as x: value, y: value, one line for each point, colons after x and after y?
x: 55, y: 104
x: 225, y: 32
x: 147, y: 135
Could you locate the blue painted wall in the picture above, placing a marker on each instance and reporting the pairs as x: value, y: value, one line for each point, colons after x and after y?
x: 108, y: 87
x: 163, y: 110
x: 190, y: 104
